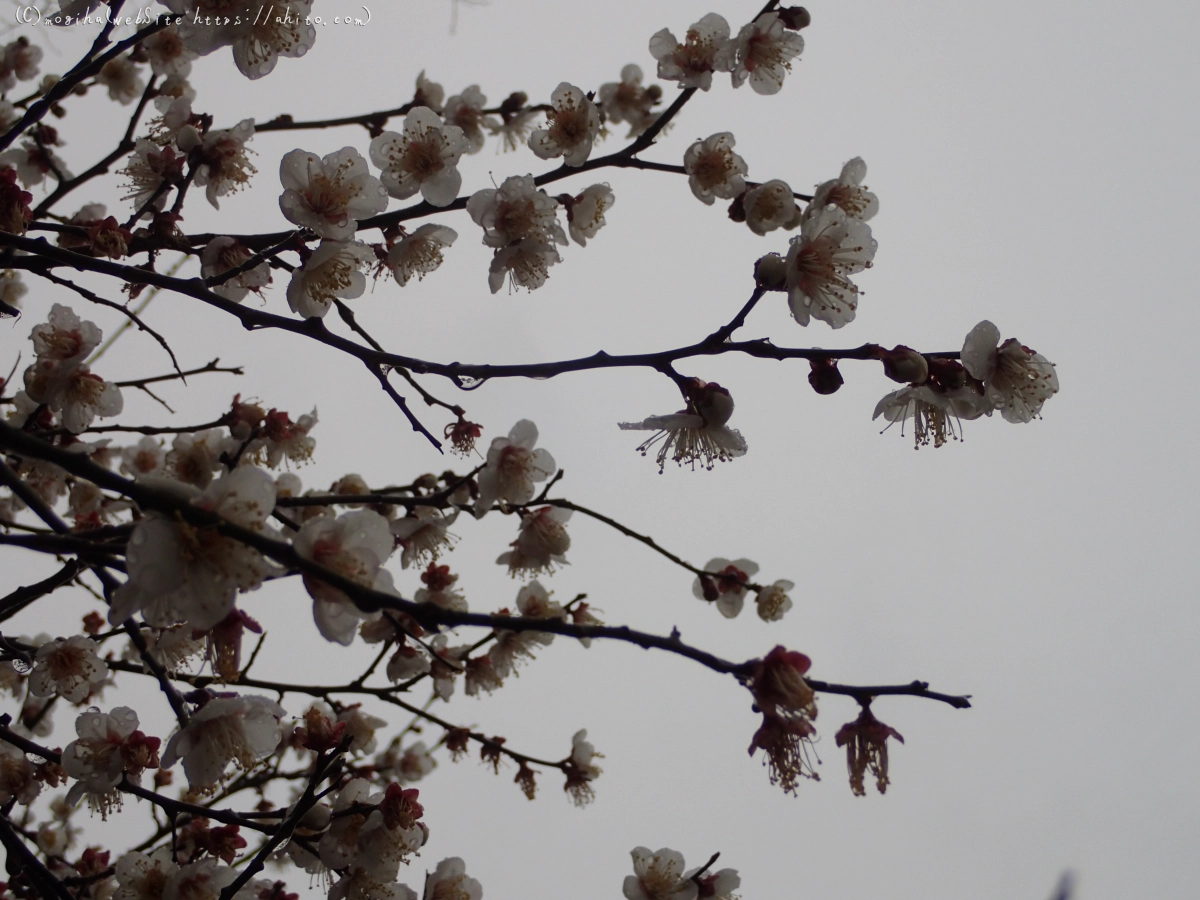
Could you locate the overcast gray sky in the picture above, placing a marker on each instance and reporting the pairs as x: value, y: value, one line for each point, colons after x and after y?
x: 1035, y: 166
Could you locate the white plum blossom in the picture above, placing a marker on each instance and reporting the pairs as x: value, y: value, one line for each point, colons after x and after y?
x: 936, y: 413
x: 696, y: 434
x: 148, y: 169
x: 173, y: 647
x: 658, y: 875
x: 168, y: 54
x: 407, y: 662
x: 18, y: 60
x: 423, y: 535
x: 572, y: 125
x: 769, y: 206
x: 525, y: 264
x: 513, y: 467
x: 241, y: 729
x: 109, y: 748
x: 34, y: 163
x: 585, y: 212
x: 73, y: 391
x: 64, y: 337
x: 120, y: 75
x: 329, y: 194
x: 68, y: 667
x: 193, y: 458
x: 692, y: 62
x: 845, y: 191
x: 714, y: 170
x: 408, y: 766
x: 718, y: 885
x: 182, y: 573
x: 143, y: 876
x: 627, y: 101
x: 355, y: 545
x: 333, y: 272
x: 420, y: 253
x: 762, y: 52
x: 465, y: 111
x: 772, y: 602
x: 378, y: 842
x: 361, y: 727
x: 541, y: 543
x: 224, y: 165
x: 424, y: 158
x: 516, y: 210
x: 428, y: 93
x: 726, y: 584
x: 285, y: 439
x: 18, y: 779
x: 1017, y: 380
x: 830, y: 247
x: 223, y: 253
x: 450, y: 881
x: 257, y: 40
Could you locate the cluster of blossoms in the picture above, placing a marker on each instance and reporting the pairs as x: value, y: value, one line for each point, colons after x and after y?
x: 58, y: 377
x: 994, y: 376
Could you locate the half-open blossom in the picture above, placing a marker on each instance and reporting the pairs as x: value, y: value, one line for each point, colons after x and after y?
x: 513, y: 467
x: 516, y: 210
x: 355, y: 545
x: 572, y: 125
x: 585, y: 212
x: 420, y: 253
x: 450, y: 881
x: 719, y: 885
x: 184, y: 573
x: 725, y: 583
x: 18, y: 776
x: 109, y: 748
x: 422, y: 535
x: 68, y: 667
x: 329, y: 194
x: 221, y: 161
x: 581, y: 769
x: 696, y: 434
x: 713, y: 169
x: 762, y: 52
x: 333, y: 272
x: 227, y: 729
x: 865, y: 740
x: 541, y: 543
x: 1017, y: 380
x: 658, y: 875
x: 424, y: 158
x: 769, y: 206
x: 692, y: 62
x: 627, y: 101
x: 830, y: 247
x: 223, y: 253
x: 845, y: 191
x: 465, y: 111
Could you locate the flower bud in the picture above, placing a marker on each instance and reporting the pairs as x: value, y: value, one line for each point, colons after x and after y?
x: 824, y: 377
x: 795, y: 17
x: 770, y: 272
x: 948, y: 374
x: 903, y: 364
